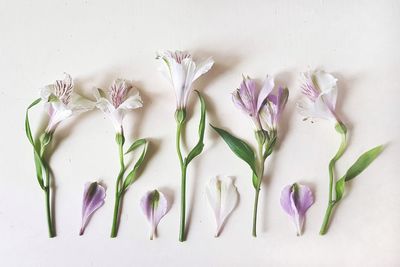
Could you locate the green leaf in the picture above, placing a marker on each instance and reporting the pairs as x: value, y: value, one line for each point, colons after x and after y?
x: 239, y: 147
x: 362, y: 163
x: 131, y: 177
x: 202, y: 125
x: 269, y: 147
x: 135, y: 145
x: 39, y: 165
x: 255, y: 180
x: 340, y: 185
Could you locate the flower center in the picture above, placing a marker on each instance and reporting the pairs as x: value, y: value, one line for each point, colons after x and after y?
x: 119, y: 91
x: 63, y: 90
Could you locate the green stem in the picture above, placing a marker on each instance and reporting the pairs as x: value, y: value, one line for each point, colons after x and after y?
x: 183, y: 182
x: 260, y: 175
x: 47, y: 189
x: 340, y: 128
x: 118, y: 188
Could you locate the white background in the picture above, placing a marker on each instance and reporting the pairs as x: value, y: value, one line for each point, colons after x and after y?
x: 98, y: 41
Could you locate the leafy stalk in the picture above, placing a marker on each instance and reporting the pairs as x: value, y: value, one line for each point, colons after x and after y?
x: 41, y: 167
x: 180, y: 117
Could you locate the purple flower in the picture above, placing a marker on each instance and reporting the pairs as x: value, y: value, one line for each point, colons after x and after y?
x: 295, y: 201
x: 270, y: 113
x: 154, y: 205
x: 93, y: 198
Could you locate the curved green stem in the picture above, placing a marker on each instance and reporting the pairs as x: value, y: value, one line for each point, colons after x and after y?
x: 340, y: 128
x: 118, y: 186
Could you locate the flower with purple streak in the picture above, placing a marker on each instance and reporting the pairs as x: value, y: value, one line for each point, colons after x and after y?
x: 295, y: 201
x: 181, y: 70
x: 93, y: 198
x: 263, y: 107
x: 118, y: 101
x: 61, y: 102
x: 321, y: 91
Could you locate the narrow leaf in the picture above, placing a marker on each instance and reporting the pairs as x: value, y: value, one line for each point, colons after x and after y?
x: 131, y: 177
x: 202, y: 124
x: 340, y: 185
x: 362, y: 162
x: 239, y: 147
x: 135, y: 145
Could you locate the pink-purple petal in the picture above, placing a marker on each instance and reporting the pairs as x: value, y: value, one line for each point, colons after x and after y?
x: 93, y: 198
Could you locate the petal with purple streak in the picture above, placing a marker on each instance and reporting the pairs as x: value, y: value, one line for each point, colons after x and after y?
x: 154, y: 206
x: 93, y: 198
x: 295, y: 201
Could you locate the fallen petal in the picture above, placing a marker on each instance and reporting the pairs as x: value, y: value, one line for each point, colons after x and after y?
x: 93, y: 198
x: 223, y: 197
x: 154, y: 205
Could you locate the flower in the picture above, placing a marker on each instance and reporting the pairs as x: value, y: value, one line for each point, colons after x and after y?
x: 321, y: 91
x: 295, y: 201
x: 270, y: 113
x: 93, y: 198
x: 180, y: 68
x: 154, y: 205
x: 249, y: 99
x: 61, y: 102
x: 223, y: 197
x: 117, y: 101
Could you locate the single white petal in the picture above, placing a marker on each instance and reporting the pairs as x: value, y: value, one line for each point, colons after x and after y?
x: 81, y: 104
x: 132, y: 102
x: 222, y: 196
x: 203, y: 67
x: 154, y: 206
x: 58, y: 112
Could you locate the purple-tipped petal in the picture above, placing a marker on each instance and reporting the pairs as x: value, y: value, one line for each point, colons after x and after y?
x: 154, y: 206
x: 93, y: 198
x: 265, y: 91
x: 295, y: 201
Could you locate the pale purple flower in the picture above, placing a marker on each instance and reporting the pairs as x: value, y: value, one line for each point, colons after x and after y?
x: 116, y: 102
x: 271, y: 112
x: 321, y: 91
x: 181, y: 70
x: 93, y: 198
x: 223, y: 197
x: 154, y: 205
x: 295, y: 201
x: 61, y: 101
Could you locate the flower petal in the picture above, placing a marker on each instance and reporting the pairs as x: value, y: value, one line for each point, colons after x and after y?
x: 58, y: 112
x: 295, y: 201
x: 132, y: 102
x: 154, y: 206
x: 223, y: 197
x: 93, y: 198
x: 203, y: 67
x: 267, y: 88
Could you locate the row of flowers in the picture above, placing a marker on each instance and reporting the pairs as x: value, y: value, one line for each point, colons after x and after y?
x: 263, y: 105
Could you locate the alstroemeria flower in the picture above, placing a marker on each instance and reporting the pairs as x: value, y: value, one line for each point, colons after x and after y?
x: 180, y: 68
x: 61, y: 101
x: 295, y: 201
x: 93, y: 198
x: 249, y: 99
x: 271, y: 112
x: 223, y: 197
x: 117, y: 101
x: 154, y: 205
x: 321, y: 91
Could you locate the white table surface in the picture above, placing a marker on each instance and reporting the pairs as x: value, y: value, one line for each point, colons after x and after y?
x: 98, y: 41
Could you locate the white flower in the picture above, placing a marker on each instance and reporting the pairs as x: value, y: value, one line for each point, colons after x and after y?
x: 182, y: 71
x: 117, y: 101
x: 61, y: 101
x: 321, y: 91
x: 223, y: 197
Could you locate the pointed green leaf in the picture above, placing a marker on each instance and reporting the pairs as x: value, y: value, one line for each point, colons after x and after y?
x: 239, y: 147
x: 362, y: 163
x: 135, y: 145
x: 36, y: 147
x: 202, y: 125
x: 131, y: 177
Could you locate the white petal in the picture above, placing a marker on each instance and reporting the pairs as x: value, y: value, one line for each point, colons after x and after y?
x: 222, y: 196
x: 132, y: 102
x: 58, y: 112
x: 203, y: 67
x: 81, y: 104
x: 267, y: 88
x: 327, y: 85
